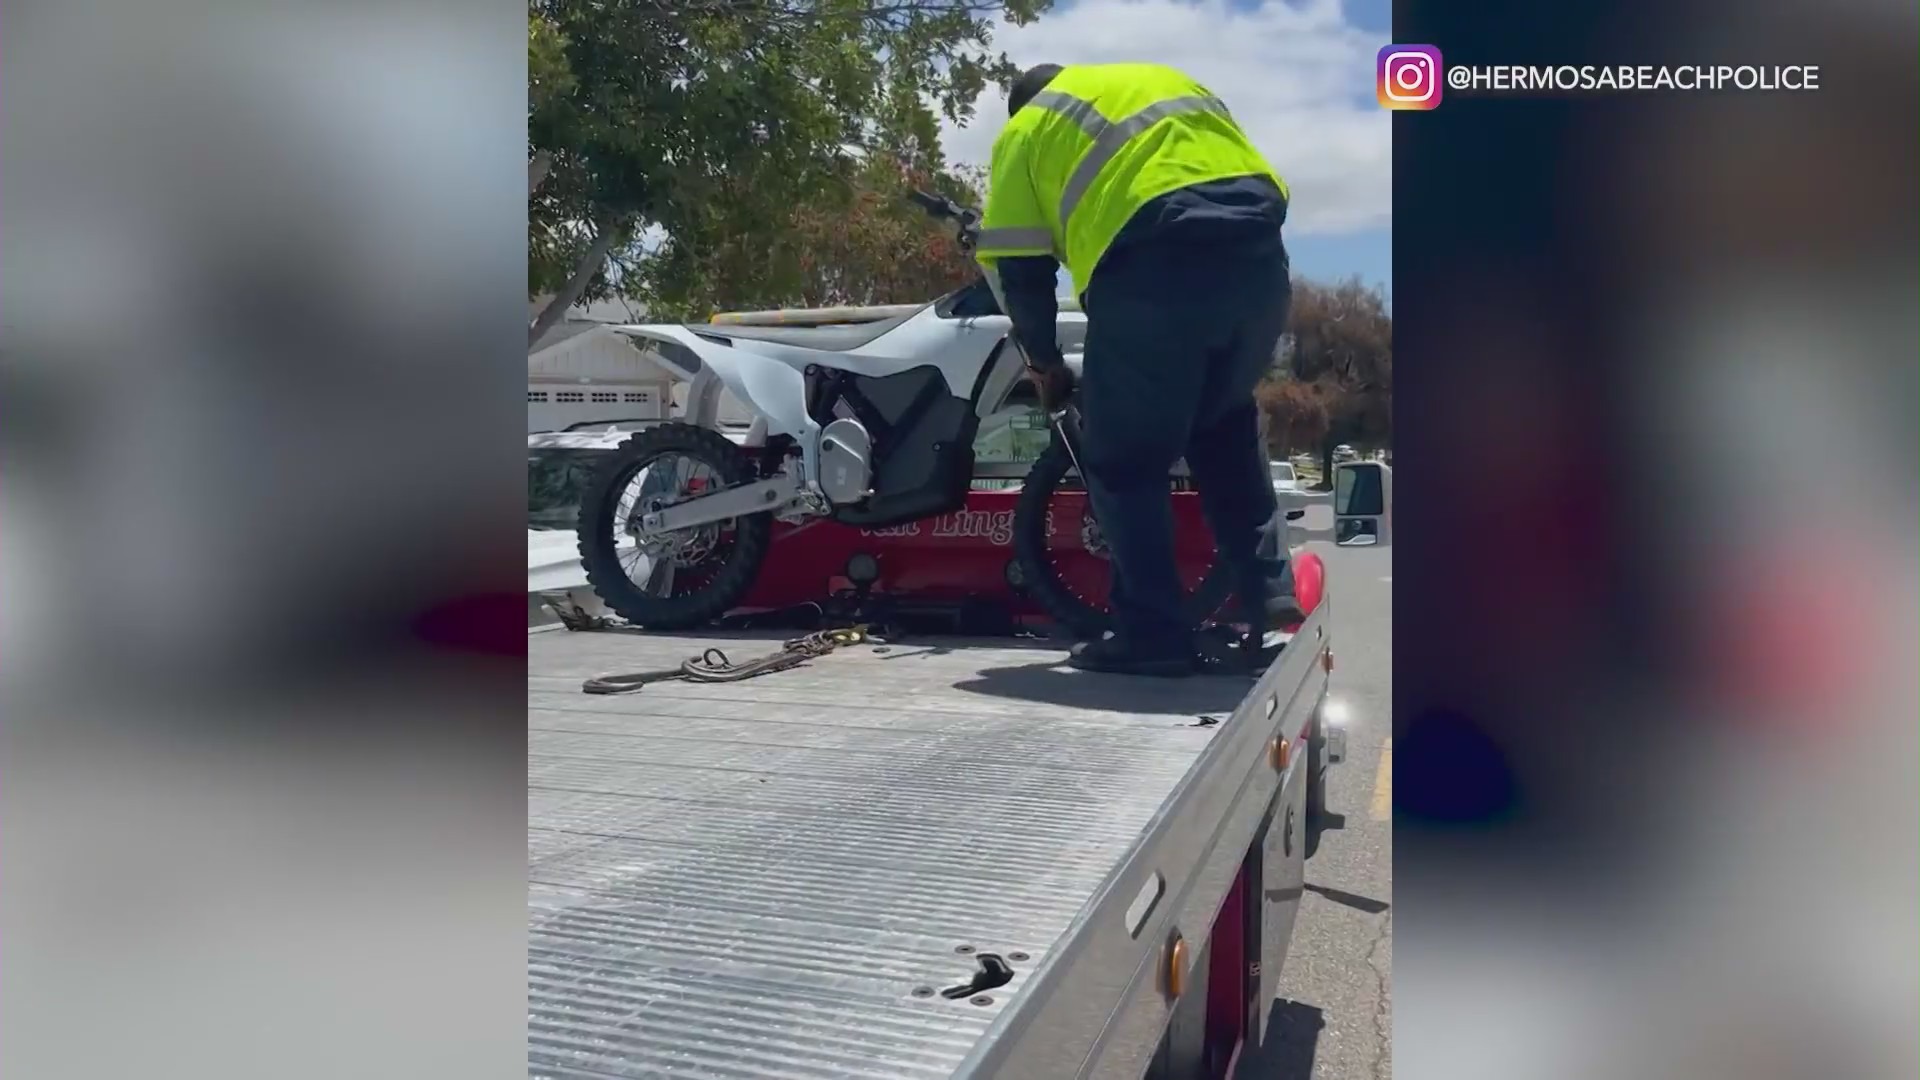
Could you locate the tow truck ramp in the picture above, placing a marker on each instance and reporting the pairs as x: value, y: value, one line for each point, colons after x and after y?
x: 802, y: 875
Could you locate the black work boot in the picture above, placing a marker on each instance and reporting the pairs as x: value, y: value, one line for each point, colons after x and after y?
x: 1266, y: 602
x: 1282, y: 606
x: 1115, y: 656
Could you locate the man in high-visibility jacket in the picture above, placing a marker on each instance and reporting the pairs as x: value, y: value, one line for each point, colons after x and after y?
x: 1168, y: 220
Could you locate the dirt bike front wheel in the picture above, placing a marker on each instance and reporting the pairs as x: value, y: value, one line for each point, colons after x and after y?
x: 685, y: 578
x: 1062, y: 555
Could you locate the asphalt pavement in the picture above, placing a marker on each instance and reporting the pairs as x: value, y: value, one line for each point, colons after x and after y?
x: 1334, y: 1018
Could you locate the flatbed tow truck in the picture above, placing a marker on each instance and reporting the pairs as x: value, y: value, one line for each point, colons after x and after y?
x: 945, y: 860
x: 924, y: 858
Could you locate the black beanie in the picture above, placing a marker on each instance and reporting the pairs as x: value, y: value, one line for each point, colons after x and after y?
x: 1031, y: 82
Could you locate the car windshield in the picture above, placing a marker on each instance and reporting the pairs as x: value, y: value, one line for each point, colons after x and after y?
x: 556, y: 481
x: 1282, y: 471
x: 1013, y: 437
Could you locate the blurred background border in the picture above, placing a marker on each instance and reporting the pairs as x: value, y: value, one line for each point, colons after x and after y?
x: 1654, y: 696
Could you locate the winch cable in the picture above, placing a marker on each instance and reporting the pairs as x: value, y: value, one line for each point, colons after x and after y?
x: 713, y: 666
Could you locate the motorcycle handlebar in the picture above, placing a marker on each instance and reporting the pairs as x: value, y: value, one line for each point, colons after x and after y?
x: 933, y: 204
x: 966, y: 221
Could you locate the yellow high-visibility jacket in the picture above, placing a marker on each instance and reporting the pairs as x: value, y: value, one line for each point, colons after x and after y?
x: 1077, y: 162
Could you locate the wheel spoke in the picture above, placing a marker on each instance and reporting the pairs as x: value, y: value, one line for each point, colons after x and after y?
x: 623, y: 505
x: 630, y: 561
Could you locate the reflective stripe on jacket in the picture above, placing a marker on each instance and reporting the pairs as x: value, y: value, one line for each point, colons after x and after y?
x: 1076, y: 163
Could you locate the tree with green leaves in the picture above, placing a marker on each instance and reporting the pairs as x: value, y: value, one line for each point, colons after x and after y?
x: 1335, y: 383
x: 858, y: 241
x: 665, y: 128
x: 1295, y: 413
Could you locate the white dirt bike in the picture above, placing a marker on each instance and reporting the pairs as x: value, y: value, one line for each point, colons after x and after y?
x: 869, y: 424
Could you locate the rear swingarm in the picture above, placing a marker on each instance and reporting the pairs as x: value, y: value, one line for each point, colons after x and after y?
x: 777, y: 494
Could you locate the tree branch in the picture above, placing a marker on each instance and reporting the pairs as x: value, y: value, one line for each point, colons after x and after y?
x: 538, y: 167
x: 590, y: 264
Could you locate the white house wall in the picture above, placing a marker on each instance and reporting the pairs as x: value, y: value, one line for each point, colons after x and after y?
x: 597, y: 355
x: 556, y: 407
x: 600, y: 362
x: 592, y: 377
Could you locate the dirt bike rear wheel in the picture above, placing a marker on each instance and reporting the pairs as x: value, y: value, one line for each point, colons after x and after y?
x: 694, y: 575
x: 1053, y: 524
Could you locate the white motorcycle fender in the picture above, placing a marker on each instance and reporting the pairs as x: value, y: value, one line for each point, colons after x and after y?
x: 770, y: 388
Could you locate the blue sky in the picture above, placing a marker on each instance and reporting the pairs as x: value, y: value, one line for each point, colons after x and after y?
x: 1367, y: 252
x: 1298, y: 76
x: 1375, y: 15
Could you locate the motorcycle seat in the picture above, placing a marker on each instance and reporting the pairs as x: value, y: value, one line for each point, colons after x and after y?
x: 844, y: 337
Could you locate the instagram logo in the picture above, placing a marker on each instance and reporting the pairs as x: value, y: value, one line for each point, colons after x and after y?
x: 1408, y: 77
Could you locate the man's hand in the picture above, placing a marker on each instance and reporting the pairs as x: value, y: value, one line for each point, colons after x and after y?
x: 1054, y: 383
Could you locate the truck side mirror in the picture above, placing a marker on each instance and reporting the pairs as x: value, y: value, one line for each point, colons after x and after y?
x: 1362, y: 504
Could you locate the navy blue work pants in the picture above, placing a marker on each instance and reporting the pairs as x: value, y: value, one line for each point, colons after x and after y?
x: 1177, y: 339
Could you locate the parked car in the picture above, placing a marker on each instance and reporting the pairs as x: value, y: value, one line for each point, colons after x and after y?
x: 1286, y: 482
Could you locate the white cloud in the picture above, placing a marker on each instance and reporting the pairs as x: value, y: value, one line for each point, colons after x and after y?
x: 1297, y: 76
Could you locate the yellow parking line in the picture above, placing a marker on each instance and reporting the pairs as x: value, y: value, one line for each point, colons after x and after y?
x: 1383, y: 784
